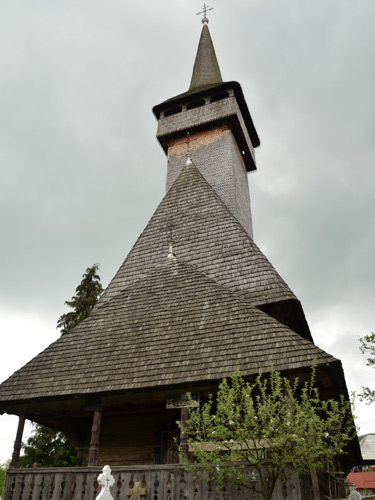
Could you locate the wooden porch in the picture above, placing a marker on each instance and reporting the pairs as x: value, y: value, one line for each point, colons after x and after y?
x: 161, y: 482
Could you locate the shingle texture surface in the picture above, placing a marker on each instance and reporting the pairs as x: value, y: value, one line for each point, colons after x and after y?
x: 207, y: 235
x: 206, y: 69
x: 174, y: 325
x: 217, y: 157
x: 164, y: 322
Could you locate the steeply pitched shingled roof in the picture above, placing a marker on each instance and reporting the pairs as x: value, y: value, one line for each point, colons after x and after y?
x: 174, y: 325
x: 206, y: 78
x: 207, y: 235
x: 206, y: 69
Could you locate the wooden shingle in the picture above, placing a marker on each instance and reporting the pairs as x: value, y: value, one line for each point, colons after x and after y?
x: 174, y: 325
x: 205, y: 233
x: 208, y: 235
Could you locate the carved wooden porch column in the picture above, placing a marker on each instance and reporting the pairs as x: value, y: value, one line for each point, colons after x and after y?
x: 17, y: 442
x: 183, y: 434
x: 94, y: 442
x: 184, y: 403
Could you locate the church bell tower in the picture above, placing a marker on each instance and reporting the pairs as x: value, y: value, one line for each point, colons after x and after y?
x: 212, y: 125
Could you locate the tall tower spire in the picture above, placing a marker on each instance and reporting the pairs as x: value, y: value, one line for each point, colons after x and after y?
x: 214, y: 116
x: 206, y: 68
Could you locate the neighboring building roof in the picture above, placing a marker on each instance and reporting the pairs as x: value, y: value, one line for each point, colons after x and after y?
x: 141, y: 338
x: 367, y: 444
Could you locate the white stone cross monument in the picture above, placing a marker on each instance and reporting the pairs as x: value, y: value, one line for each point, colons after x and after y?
x: 106, y: 480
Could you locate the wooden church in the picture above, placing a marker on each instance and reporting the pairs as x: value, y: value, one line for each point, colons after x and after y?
x: 194, y: 299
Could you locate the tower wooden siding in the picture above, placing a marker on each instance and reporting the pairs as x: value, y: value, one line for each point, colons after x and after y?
x: 180, y: 119
x: 216, y: 154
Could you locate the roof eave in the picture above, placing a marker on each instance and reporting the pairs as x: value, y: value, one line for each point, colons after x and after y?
x: 206, y: 90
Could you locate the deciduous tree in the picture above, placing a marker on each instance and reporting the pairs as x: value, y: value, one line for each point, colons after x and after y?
x: 264, y: 429
x: 368, y: 347
x: 3, y: 471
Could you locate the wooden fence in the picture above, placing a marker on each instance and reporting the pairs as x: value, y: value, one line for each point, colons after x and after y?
x: 161, y: 482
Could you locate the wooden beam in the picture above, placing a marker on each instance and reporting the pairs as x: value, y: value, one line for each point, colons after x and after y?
x: 94, y: 442
x: 17, y: 442
x: 315, y: 484
x: 183, y: 434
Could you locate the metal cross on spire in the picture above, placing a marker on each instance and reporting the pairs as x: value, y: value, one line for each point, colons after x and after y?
x: 206, y: 8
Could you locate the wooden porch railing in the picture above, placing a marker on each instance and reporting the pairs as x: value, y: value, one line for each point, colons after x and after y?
x: 162, y: 482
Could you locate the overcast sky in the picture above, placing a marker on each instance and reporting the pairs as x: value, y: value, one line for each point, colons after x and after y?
x: 81, y: 171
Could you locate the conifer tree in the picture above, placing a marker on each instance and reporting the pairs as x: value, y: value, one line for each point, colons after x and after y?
x: 88, y: 292
x: 47, y: 447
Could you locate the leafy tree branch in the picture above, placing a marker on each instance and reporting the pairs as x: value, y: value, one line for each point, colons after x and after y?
x: 3, y: 471
x: 263, y: 430
x: 367, y: 347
